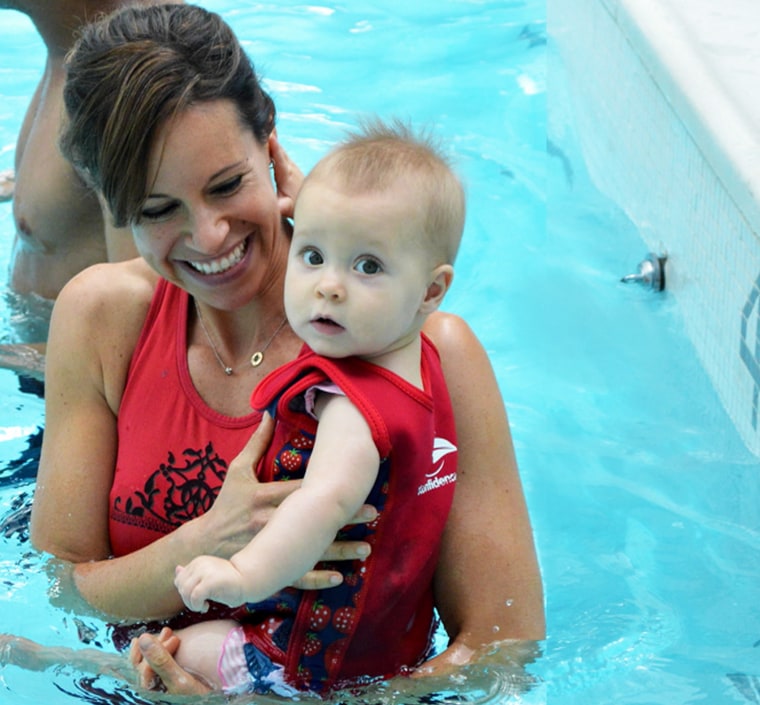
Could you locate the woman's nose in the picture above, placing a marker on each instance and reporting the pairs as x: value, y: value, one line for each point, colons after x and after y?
x: 209, y: 230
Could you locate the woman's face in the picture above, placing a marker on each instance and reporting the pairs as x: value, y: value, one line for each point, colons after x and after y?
x: 210, y: 222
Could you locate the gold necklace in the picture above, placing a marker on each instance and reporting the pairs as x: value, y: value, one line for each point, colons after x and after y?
x: 256, y: 359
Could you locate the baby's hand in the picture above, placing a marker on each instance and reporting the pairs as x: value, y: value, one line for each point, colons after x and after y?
x: 208, y: 578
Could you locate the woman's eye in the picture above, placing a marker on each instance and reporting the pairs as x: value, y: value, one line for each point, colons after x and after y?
x: 312, y: 257
x: 157, y: 212
x: 368, y: 265
x: 228, y: 186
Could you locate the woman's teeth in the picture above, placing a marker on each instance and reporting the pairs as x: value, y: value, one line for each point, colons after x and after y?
x: 222, y: 264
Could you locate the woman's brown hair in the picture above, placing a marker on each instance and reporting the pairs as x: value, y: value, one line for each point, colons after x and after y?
x: 132, y: 71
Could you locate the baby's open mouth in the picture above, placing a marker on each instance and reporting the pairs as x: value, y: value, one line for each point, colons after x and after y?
x: 326, y: 325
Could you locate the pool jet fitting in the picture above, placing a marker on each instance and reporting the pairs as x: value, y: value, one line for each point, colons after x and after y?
x: 651, y: 273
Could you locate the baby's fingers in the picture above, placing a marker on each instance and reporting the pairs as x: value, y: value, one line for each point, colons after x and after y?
x: 197, y: 602
x: 190, y: 588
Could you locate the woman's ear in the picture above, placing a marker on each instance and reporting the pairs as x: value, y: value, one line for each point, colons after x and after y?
x: 442, y: 277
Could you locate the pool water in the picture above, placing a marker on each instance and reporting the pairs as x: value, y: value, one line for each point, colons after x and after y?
x: 643, y: 498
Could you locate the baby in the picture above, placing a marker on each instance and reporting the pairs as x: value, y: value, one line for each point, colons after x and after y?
x: 363, y: 415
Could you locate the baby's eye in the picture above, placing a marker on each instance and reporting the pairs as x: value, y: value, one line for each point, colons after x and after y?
x: 368, y: 265
x: 228, y: 187
x: 312, y: 257
x: 158, y: 212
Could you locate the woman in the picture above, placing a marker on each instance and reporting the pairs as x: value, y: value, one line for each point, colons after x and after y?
x: 151, y: 362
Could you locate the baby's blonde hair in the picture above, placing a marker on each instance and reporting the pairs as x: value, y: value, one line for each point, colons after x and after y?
x: 379, y: 154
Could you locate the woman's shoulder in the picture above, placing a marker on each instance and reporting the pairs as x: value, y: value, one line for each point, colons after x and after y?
x: 102, y: 287
x: 450, y: 333
x: 107, y: 296
x: 96, y: 322
x: 464, y: 360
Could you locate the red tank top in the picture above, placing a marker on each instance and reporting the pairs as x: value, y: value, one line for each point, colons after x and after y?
x: 173, y: 448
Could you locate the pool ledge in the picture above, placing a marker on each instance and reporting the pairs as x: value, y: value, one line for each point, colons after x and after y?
x: 664, y: 101
x: 705, y: 58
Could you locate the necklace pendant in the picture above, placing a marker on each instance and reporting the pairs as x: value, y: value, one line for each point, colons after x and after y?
x: 228, y: 371
x: 257, y: 358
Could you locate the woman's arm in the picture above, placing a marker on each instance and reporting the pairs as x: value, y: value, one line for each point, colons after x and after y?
x: 94, y: 326
x: 488, y: 583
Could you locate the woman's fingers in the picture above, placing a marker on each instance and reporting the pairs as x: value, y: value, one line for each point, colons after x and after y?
x: 346, y: 551
x: 166, y: 671
x: 287, y: 176
x: 248, y: 458
x: 319, y: 580
x: 366, y: 514
x: 337, y: 551
x: 146, y: 676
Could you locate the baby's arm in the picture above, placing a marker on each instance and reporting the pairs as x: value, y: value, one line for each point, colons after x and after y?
x: 342, y: 469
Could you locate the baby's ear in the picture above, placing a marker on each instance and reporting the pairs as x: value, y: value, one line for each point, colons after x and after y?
x: 442, y: 277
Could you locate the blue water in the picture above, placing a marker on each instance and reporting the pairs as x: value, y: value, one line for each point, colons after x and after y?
x: 643, y: 499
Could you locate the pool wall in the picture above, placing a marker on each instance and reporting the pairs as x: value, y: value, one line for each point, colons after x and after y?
x: 666, y: 104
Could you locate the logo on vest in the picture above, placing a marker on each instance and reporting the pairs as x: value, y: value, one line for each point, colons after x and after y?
x: 436, y: 480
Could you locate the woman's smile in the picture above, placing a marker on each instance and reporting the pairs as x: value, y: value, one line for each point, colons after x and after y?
x: 221, y: 264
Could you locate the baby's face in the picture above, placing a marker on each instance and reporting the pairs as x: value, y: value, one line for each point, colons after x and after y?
x: 357, y: 271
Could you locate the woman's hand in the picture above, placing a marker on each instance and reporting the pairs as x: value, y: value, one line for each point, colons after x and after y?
x: 446, y: 663
x: 152, y: 657
x: 287, y: 176
x: 245, y: 505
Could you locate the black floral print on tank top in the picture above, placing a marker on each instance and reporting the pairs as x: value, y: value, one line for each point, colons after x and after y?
x: 179, y: 490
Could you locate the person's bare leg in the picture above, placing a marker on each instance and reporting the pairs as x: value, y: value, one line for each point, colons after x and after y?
x: 27, y: 654
x: 7, y: 184
x: 27, y: 358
